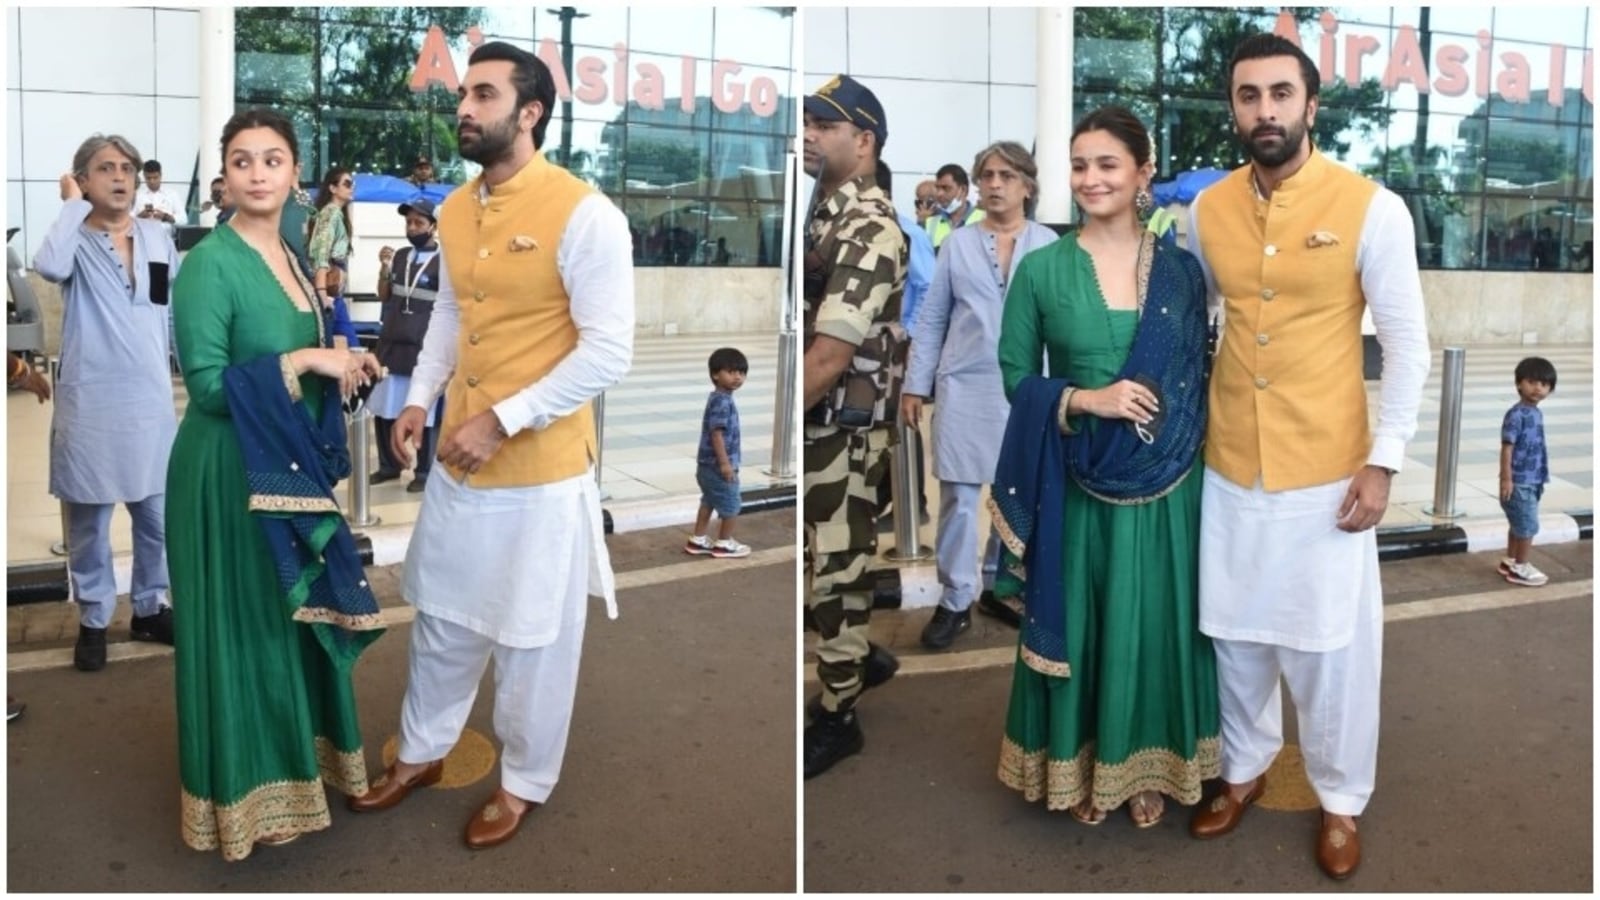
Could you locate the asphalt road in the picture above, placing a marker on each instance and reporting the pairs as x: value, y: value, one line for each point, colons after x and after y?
x: 1485, y: 778
x: 679, y: 773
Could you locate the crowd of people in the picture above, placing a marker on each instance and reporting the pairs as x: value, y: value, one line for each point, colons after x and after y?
x: 267, y: 604
x: 1101, y: 383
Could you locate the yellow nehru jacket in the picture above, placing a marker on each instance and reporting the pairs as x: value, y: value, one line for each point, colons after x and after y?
x: 516, y: 320
x: 1288, y: 402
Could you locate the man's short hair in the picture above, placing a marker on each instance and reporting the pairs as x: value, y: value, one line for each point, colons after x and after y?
x: 529, y: 75
x: 1266, y: 45
x: 1537, y: 368
x: 151, y: 165
x: 885, y: 179
x: 97, y: 142
x: 956, y: 173
x: 728, y: 359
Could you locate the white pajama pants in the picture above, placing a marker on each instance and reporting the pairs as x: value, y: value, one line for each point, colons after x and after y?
x: 961, y: 572
x: 534, y: 690
x: 1335, y: 695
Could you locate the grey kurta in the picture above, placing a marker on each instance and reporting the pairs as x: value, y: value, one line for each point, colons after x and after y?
x: 114, y: 418
x: 954, y: 347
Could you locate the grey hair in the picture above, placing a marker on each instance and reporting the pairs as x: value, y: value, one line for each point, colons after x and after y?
x: 1017, y: 157
x: 98, y: 142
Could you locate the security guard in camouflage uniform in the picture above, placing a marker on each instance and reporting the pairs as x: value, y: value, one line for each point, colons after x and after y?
x: 854, y: 362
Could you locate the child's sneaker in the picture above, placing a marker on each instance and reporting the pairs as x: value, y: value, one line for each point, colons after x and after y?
x: 1506, y: 563
x: 729, y: 549
x: 699, y: 545
x: 1526, y: 574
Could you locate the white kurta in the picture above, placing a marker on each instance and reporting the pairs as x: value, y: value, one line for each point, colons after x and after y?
x: 1274, y: 567
x: 498, y: 560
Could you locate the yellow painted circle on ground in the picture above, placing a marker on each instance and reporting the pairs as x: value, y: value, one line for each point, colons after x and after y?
x: 1288, y: 788
x: 467, y: 762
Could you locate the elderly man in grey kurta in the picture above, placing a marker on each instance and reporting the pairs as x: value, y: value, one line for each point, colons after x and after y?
x: 114, y: 417
x: 954, y: 345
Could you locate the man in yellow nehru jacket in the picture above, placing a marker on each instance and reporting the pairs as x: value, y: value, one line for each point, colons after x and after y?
x: 534, y: 318
x: 1296, y: 247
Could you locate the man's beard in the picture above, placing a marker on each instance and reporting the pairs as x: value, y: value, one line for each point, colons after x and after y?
x: 491, y: 143
x: 1291, y: 137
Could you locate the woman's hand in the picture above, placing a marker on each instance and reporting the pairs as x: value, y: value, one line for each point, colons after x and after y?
x: 353, y: 371
x: 1119, y: 400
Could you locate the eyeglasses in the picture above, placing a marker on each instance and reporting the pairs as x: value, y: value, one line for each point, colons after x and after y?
x: 925, y: 201
x: 347, y: 183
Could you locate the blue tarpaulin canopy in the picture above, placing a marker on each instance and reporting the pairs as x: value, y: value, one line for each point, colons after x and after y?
x: 1182, y: 189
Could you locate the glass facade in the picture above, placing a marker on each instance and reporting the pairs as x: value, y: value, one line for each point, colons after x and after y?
x: 1482, y: 119
x: 682, y: 116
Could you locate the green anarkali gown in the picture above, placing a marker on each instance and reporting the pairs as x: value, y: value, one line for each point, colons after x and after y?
x: 264, y: 716
x: 1139, y: 711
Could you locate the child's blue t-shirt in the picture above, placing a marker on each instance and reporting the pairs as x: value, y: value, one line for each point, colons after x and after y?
x: 720, y: 413
x: 1523, y: 429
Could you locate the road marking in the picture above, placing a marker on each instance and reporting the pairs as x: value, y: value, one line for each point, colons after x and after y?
x: 123, y: 651
x: 967, y: 660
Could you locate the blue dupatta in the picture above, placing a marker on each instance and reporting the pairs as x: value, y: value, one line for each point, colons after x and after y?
x: 291, y: 464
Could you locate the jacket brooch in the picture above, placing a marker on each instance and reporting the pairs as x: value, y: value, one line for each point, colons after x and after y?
x: 522, y: 242
x: 1322, y: 239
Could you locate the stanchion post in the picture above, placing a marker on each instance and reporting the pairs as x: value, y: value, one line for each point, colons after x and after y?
x: 360, y: 514
x: 904, y: 473
x: 600, y: 444
x: 783, y: 408
x: 1444, y: 473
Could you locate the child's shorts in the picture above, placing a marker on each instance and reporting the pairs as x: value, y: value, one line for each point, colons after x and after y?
x: 1522, y: 510
x: 717, y: 493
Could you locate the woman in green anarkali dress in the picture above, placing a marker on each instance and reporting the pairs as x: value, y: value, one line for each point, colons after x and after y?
x: 1137, y: 717
x: 265, y: 713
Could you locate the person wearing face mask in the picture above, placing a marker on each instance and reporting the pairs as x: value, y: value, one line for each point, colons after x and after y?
x: 952, y: 209
x: 408, y: 288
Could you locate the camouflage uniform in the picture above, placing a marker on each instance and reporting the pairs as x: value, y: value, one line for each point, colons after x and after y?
x: 855, y: 276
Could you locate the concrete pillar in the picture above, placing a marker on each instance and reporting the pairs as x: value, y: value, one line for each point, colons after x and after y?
x: 1054, y: 115
x: 216, y: 94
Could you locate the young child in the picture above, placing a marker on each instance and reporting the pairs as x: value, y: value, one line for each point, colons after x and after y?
x: 717, y: 463
x: 1524, y: 468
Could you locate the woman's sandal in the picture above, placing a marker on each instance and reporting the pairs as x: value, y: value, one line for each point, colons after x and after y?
x: 1140, y: 805
x: 278, y: 840
x: 1092, y: 817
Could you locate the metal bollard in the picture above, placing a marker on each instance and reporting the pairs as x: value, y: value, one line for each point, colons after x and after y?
x: 1444, y: 472
x: 783, y: 408
x: 61, y: 547
x: 904, y: 468
x: 360, y: 515
x: 600, y: 443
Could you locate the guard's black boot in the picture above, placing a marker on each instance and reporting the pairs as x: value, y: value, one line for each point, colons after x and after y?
x: 829, y: 738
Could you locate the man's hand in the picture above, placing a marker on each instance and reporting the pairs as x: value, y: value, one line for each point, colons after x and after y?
x: 911, y: 410
x: 728, y: 473
x: 471, y: 445
x: 407, y: 433
x: 1364, y: 504
x: 69, y: 188
x: 1507, y: 487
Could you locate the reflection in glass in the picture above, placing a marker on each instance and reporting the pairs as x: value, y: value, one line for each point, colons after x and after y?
x: 755, y: 35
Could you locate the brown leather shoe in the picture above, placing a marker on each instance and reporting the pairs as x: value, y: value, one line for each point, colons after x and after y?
x: 496, y: 822
x: 1338, y: 849
x: 1223, y: 813
x: 388, y: 790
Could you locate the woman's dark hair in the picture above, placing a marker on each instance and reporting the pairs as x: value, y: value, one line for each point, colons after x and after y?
x: 260, y: 118
x: 1267, y: 45
x: 325, y: 194
x: 1121, y: 124
x: 1539, y: 369
x: 529, y: 75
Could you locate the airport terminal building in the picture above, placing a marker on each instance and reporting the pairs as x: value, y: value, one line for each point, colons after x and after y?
x: 684, y: 117
x: 1481, y: 118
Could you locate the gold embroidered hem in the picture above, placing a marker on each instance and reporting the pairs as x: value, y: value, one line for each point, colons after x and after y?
x: 1003, y: 528
x: 280, y: 503
x: 1044, y: 666
x: 291, y: 381
x: 367, y: 622
x: 1065, y: 783
x: 345, y: 770
x: 272, y: 810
